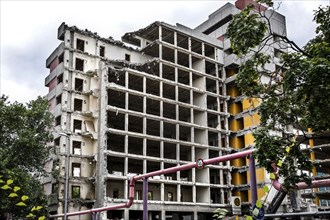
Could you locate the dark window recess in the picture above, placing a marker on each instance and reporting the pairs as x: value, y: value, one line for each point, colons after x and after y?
x: 78, y: 105
x: 75, y: 192
x: 59, y: 99
x: 127, y: 57
x: 57, y: 142
x: 218, y: 24
x: 115, y: 193
x: 61, y: 58
x: 78, y: 84
x: 58, y: 120
x: 80, y: 44
x: 79, y: 64
x: 60, y: 79
x: 102, y: 51
x: 76, y: 147
x: 77, y: 125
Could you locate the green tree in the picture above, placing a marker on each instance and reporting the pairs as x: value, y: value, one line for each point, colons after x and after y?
x: 296, y: 93
x: 24, y: 132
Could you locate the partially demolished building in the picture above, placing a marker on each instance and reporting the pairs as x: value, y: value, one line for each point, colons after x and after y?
x: 162, y: 97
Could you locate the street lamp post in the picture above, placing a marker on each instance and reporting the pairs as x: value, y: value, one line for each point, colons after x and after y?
x: 66, y: 175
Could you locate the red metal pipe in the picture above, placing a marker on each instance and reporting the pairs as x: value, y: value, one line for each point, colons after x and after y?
x: 106, y: 208
x: 277, y: 185
x: 228, y: 157
x: 157, y: 173
x: 315, y: 184
x: 166, y: 171
x: 301, y: 185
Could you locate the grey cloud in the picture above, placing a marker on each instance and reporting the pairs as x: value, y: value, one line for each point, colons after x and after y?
x: 26, y: 65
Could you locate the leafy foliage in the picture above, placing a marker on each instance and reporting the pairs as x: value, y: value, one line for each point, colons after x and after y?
x: 295, y: 93
x: 24, y: 132
x: 220, y: 213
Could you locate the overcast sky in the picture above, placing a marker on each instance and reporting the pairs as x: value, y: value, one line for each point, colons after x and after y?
x: 28, y: 30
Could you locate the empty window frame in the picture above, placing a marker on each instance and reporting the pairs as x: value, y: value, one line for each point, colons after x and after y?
x: 61, y: 58
x: 76, y: 169
x: 75, y: 192
x: 115, y: 193
x: 58, y: 120
x: 76, y: 147
x: 138, y: 195
x: 102, y: 51
x: 169, y: 196
x: 78, y: 103
x: 150, y: 195
x: 80, y: 44
x: 57, y: 141
x: 78, y: 84
x: 77, y: 125
x: 58, y: 99
x: 127, y: 57
x: 60, y: 79
x: 79, y: 64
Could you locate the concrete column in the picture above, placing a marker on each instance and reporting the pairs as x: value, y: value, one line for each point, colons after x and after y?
x: 126, y: 214
x: 162, y: 192
x: 100, y: 168
x: 163, y: 217
x: 222, y: 198
x: 195, y: 215
x: 194, y: 197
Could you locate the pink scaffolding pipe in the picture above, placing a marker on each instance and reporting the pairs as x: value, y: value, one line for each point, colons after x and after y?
x: 301, y: 185
x: 277, y: 185
x: 157, y: 173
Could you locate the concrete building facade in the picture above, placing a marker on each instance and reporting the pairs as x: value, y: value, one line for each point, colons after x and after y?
x: 163, y: 96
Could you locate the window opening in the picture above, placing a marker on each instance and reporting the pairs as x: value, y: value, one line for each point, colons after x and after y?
x: 102, y: 51
x: 169, y: 196
x: 138, y: 195
x: 57, y: 142
x: 61, y: 58
x: 79, y: 64
x: 59, y: 99
x: 75, y: 192
x: 76, y: 169
x: 60, y: 79
x: 150, y: 195
x: 78, y: 104
x: 77, y: 125
x: 76, y: 145
x: 80, y: 44
x: 127, y: 57
x: 115, y: 193
x: 58, y: 120
x: 78, y: 84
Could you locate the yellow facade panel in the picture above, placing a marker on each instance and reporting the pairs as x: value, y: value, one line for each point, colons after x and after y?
x: 248, y: 139
x: 260, y: 194
x: 232, y: 91
x: 236, y: 142
x: 235, y: 108
x: 260, y: 174
x: 250, y: 103
x: 251, y: 120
